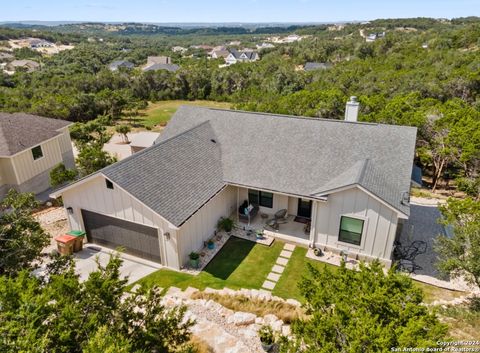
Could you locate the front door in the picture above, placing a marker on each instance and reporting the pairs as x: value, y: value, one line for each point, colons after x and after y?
x: 304, y: 208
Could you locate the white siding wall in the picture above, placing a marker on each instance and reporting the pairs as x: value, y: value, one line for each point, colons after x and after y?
x: 27, y: 167
x: 379, y: 227
x: 7, y: 174
x: 96, y: 197
x: 202, y: 225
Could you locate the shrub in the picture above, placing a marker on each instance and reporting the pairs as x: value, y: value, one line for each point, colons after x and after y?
x: 225, y: 224
x: 60, y: 175
x: 194, y: 255
x: 266, y: 335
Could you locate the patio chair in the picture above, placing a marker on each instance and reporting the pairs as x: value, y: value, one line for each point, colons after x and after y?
x: 281, y: 214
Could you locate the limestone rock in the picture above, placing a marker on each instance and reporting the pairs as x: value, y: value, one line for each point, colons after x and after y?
x: 241, y: 318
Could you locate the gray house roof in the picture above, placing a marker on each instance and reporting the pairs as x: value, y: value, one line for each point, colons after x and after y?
x: 176, y: 176
x: 306, y: 156
x: 202, y: 150
x: 168, y: 67
x: 121, y: 63
x: 20, y: 131
x: 310, y: 66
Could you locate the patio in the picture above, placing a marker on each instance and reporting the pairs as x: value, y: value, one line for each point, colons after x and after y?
x: 288, y: 230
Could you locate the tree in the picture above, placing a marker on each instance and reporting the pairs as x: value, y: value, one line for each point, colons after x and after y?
x: 57, y: 313
x: 92, y: 158
x: 60, y: 175
x: 21, y: 236
x: 459, y: 255
x: 362, y: 311
x: 123, y: 130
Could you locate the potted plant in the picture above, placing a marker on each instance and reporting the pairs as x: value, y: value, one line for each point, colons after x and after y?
x: 225, y: 224
x: 211, y: 244
x: 317, y: 251
x: 266, y: 337
x: 194, y: 259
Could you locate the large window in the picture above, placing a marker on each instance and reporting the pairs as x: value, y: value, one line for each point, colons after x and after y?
x: 37, y: 152
x: 351, y: 230
x: 261, y: 198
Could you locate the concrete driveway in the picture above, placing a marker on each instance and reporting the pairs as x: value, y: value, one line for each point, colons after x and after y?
x: 132, y: 267
x: 423, y: 225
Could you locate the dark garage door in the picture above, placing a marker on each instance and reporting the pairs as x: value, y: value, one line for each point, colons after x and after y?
x: 136, y: 239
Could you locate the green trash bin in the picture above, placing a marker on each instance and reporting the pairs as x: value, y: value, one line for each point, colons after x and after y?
x: 79, y: 235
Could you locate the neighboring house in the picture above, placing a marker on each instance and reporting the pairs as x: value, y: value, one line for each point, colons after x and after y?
x: 350, y: 180
x: 30, y: 146
x: 155, y: 63
x: 236, y: 56
x: 217, y: 54
x: 152, y: 60
x: 36, y: 43
x: 142, y: 140
x: 168, y: 67
x: 372, y: 37
x: 116, y: 65
x: 311, y: 66
x: 28, y: 65
x: 265, y: 46
x: 179, y: 49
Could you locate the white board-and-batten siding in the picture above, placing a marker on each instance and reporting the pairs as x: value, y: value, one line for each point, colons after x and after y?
x: 201, y: 225
x: 380, y: 223
x: 26, y: 167
x: 93, y: 195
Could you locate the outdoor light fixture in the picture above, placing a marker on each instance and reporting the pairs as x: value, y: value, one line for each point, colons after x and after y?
x: 70, y: 210
x: 167, y: 235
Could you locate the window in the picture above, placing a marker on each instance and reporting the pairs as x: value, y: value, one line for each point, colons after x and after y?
x: 261, y: 198
x: 37, y: 152
x: 109, y: 184
x: 351, y: 230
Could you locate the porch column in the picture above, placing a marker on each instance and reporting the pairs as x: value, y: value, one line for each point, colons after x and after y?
x: 313, y: 222
x: 238, y: 200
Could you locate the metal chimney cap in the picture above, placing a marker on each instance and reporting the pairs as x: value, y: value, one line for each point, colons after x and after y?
x: 353, y: 99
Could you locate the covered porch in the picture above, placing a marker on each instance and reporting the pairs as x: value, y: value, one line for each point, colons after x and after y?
x: 278, y: 215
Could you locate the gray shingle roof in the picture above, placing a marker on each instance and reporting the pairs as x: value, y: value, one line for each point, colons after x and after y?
x: 168, y: 67
x: 310, y: 66
x: 20, y: 131
x: 121, y: 63
x: 175, y: 177
x: 306, y: 156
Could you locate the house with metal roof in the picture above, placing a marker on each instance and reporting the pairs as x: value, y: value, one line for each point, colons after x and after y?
x: 341, y: 185
x: 30, y: 146
x: 312, y: 66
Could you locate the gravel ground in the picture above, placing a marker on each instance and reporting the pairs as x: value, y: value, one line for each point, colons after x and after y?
x: 54, y: 221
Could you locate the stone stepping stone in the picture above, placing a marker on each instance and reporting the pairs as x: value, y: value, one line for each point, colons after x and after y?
x: 268, y: 284
x: 286, y: 254
x: 289, y: 247
x: 273, y: 277
x: 282, y: 261
x: 278, y: 269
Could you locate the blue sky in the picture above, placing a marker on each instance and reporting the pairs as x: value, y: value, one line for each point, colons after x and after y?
x: 231, y: 11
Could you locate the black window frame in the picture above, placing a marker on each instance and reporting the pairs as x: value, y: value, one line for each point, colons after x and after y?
x: 108, y: 184
x: 37, y: 155
x: 263, y: 198
x: 347, y: 240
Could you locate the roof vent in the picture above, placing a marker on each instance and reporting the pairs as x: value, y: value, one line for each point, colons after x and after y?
x: 351, y: 110
x: 213, y: 140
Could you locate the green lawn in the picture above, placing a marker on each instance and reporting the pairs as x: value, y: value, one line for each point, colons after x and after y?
x: 159, y: 113
x: 239, y: 264
x: 287, y: 286
x: 244, y: 264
